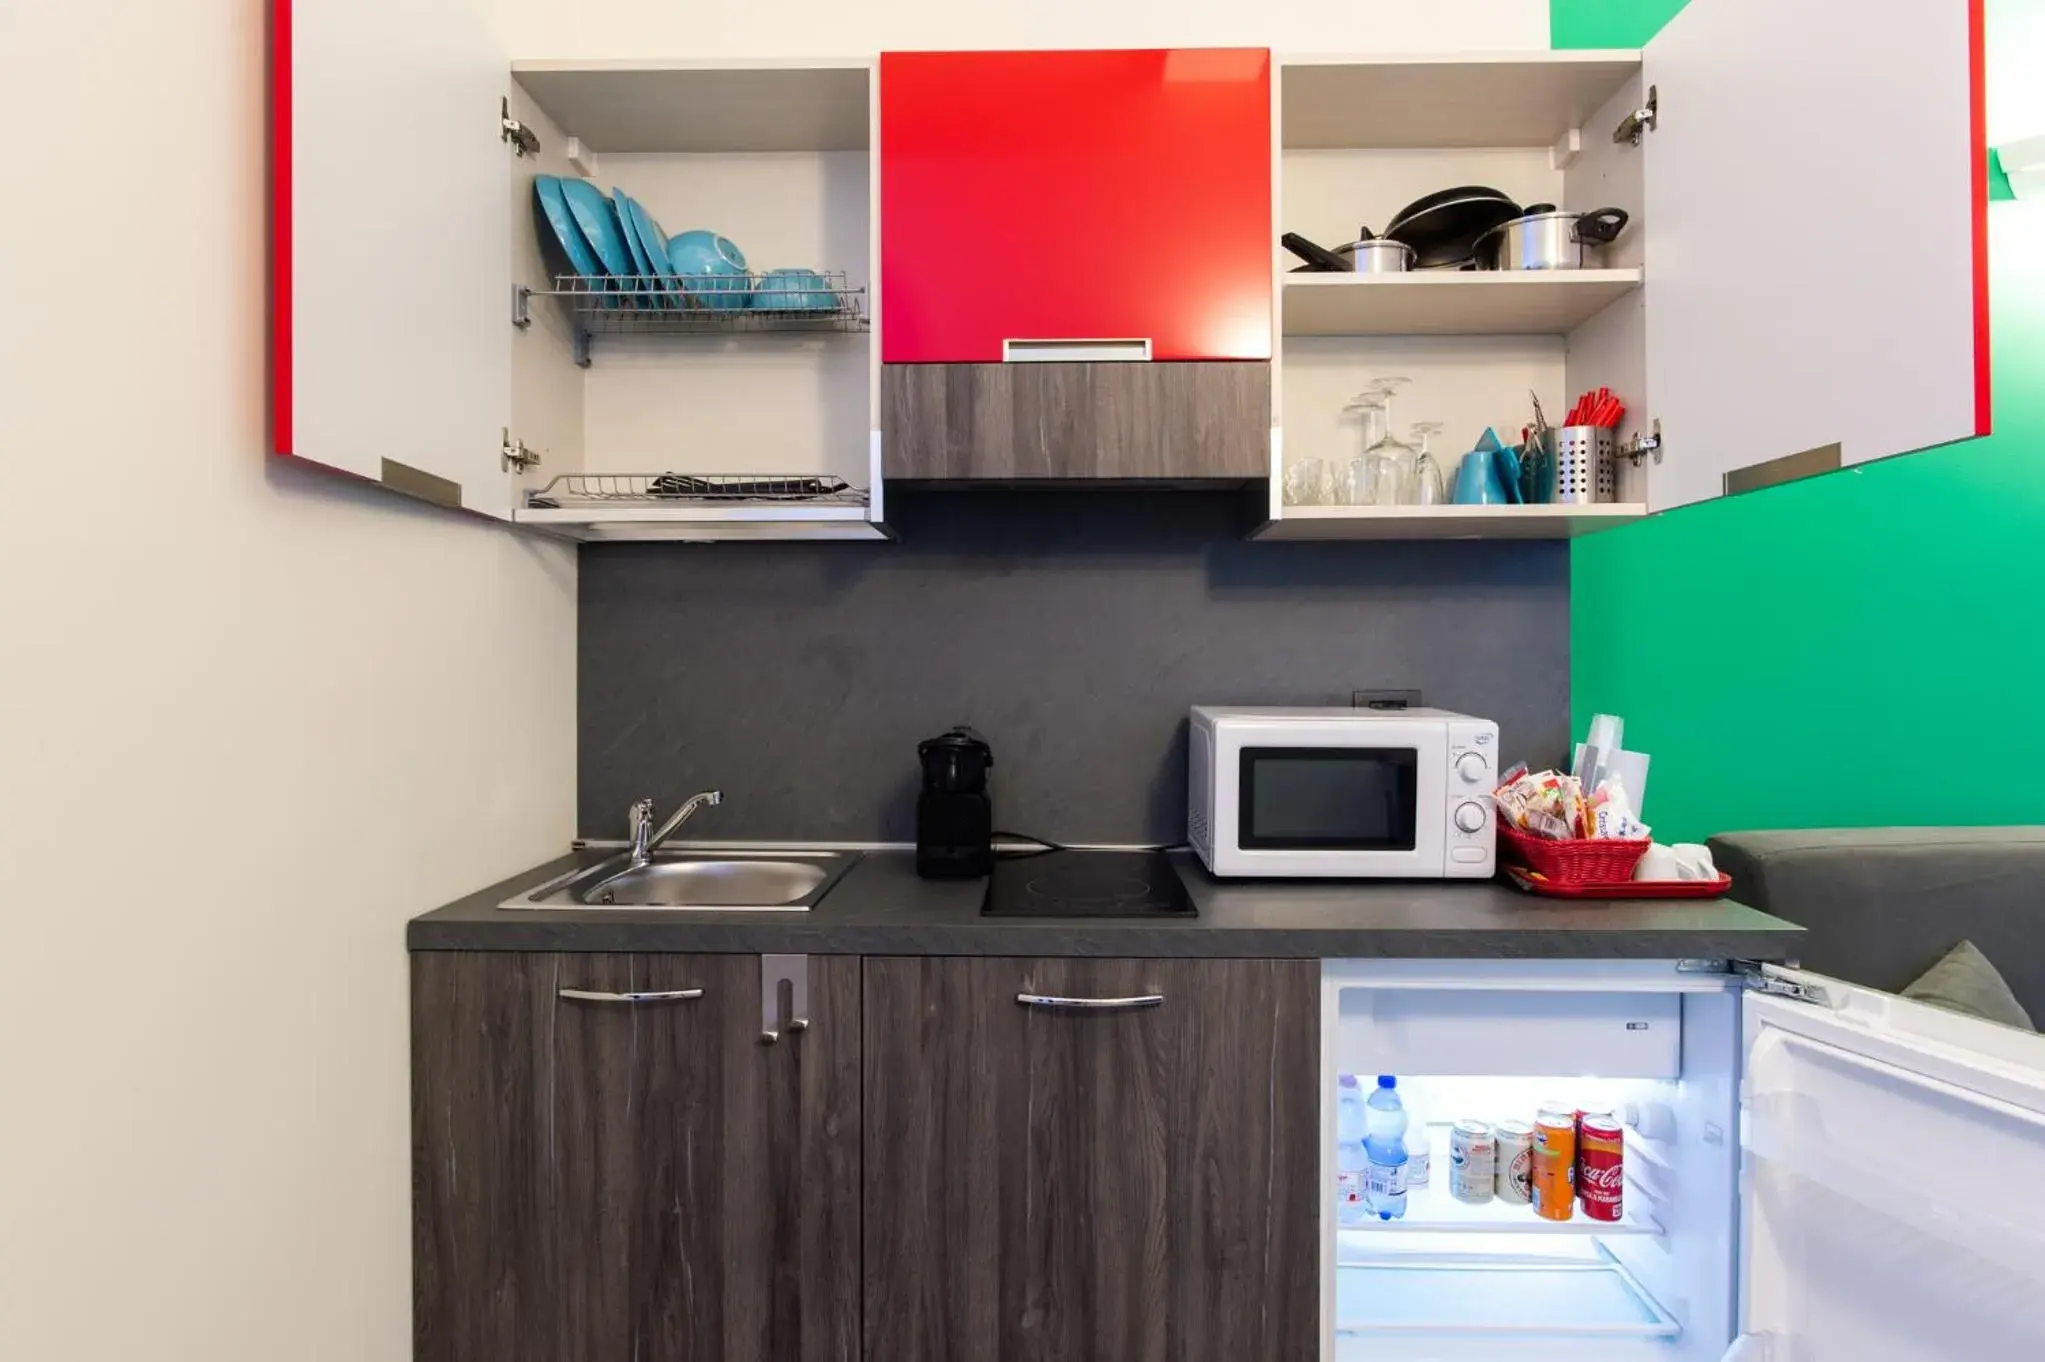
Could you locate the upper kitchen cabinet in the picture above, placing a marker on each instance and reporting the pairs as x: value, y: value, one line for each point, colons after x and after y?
x: 1081, y: 240
x: 1752, y: 326
x: 478, y: 299
x: 1039, y: 198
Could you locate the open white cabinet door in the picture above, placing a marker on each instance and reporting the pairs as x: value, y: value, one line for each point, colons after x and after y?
x: 1893, y: 1203
x: 391, y: 266
x: 1816, y: 238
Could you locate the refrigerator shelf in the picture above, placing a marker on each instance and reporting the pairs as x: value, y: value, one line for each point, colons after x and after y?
x: 1432, y: 1209
x: 1588, y: 1296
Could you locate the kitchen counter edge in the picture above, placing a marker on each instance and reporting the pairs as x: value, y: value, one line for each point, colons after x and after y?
x: 882, y: 908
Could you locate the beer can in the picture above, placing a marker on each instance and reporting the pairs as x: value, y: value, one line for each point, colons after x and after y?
x: 1555, y: 1164
x: 1473, y: 1162
x: 1515, y: 1162
x: 1601, y: 1165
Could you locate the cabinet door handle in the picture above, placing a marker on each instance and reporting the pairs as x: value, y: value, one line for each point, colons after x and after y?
x: 1079, y: 349
x: 1057, y: 1004
x: 670, y: 995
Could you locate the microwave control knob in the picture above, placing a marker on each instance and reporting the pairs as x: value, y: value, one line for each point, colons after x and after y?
x: 1470, y: 817
x: 1471, y: 766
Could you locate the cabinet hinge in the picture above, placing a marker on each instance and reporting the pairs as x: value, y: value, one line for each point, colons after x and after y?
x: 1757, y: 978
x: 518, y: 457
x: 524, y: 141
x: 1641, y: 121
x: 1640, y: 446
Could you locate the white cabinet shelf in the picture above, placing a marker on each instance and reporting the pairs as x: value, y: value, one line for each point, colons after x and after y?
x: 1450, y: 303
x: 704, y: 524
x: 631, y: 106
x: 1481, y: 99
x: 1448, y: 522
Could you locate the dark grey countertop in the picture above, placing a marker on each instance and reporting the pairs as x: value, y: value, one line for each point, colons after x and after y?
x: 882, y: 908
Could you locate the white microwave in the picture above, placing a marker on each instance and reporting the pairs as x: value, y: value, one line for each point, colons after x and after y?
x: 1342, y: 793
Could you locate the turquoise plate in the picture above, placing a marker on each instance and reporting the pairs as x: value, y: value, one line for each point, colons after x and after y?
x: 652, y: 240
x: 567, y: 236
x: 641, y: 266
x: 598, y: 218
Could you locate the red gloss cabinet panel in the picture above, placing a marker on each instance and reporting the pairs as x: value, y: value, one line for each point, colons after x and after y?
x: 1075, y: 196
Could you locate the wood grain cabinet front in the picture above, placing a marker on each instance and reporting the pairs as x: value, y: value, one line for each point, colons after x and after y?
x: 1091, y: 1159
x: 609, y: 1164
x: 1020, y: 423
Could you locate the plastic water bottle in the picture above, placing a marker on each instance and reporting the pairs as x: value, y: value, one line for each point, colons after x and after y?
x: 1384, y: 1177
x: 1348, y: 1110
x: 1384, y: 1150
x: 1384, y: 1115
x: 1352, y: 1195
x: 1419, y: 1160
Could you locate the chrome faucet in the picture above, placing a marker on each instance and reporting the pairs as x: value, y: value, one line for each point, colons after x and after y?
x: 639, y: 821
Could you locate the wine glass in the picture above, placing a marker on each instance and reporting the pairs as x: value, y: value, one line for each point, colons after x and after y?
x: 1393, y: 460
x: 1428, y: 486
x: 1363, y: 480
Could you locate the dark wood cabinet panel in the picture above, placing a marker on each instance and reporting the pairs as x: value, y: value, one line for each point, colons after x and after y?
x: 483, y: 1236
x: 603, y: 1181
x: 1072, y: 422
x: 1137, y: 1185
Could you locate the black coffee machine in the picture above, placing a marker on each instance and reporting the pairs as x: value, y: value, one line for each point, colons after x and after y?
x: 954, y: 816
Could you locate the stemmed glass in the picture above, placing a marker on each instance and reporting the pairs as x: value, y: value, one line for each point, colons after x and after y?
x: 1428, y: 486
x: 1363, y: 481
x: 1393, y: 461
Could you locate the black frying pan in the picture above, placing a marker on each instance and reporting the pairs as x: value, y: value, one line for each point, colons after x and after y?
x: 1443, y: 228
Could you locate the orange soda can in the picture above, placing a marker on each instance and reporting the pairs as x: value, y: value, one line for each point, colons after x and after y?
x: 1555, y: 1163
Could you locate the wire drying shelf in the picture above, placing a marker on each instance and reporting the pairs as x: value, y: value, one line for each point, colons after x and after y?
x: 699, y: 304
x: 577, y: 490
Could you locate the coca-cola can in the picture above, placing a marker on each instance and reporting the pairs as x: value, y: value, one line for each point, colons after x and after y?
x: 1601, y: 1166
x: 1514, y: 1162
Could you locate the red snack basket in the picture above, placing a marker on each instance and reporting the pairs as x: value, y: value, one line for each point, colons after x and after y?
x: 1622, y: 889
x: 1584, y: 860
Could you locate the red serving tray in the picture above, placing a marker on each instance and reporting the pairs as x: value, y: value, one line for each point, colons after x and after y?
x: 1621, y: 889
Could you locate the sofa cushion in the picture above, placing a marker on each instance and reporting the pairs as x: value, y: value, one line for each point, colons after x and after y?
x: 1964, y: 981
x: 1882, y: 905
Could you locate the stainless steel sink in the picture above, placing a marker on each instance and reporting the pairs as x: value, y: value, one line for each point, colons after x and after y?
x: 702, y: 881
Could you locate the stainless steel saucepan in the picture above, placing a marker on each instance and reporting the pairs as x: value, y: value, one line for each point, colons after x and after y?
x: 1543, y: 239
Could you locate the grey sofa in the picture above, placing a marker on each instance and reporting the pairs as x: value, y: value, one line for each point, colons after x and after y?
x: 1883, y: 904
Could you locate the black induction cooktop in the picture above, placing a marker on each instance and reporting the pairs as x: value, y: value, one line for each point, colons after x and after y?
x: 1086, y: 884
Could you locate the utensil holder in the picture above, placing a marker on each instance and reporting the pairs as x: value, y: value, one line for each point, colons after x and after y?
x: 1585, y: 465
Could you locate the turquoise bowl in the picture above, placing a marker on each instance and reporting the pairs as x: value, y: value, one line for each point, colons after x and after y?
x: 794, y: 290
x: 712, y: 269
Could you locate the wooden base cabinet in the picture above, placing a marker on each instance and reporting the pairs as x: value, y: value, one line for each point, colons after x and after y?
x: 1075, y: 1177
x: 609, y: 1165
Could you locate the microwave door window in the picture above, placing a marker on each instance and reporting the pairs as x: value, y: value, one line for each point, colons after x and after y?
x: 1336, y: 799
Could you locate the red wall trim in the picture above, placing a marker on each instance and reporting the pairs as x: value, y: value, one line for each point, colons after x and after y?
x: 280, y: 226
x: 1978, y: 41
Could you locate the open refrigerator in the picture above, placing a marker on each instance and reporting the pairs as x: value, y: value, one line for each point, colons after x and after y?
x: 1815, y: 1172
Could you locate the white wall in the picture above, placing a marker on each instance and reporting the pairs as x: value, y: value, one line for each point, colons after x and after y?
x: 832, y: 28
x: 251, y: 719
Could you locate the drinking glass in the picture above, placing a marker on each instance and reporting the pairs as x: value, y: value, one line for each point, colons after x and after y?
x: 1428, y: 486
x: 1394, y: 460
x: 1306, y: 482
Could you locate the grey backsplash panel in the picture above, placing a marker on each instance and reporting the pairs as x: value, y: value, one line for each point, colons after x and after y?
x: 1073, y: 629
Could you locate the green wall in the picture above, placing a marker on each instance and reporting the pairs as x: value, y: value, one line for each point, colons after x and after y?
x: 1859, y: 649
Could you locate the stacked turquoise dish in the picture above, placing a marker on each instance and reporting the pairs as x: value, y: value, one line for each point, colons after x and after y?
x: 614, y: 246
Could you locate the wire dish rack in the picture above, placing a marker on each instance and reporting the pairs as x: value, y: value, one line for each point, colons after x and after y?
x: 699, y: 304
x: 576, y: 490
